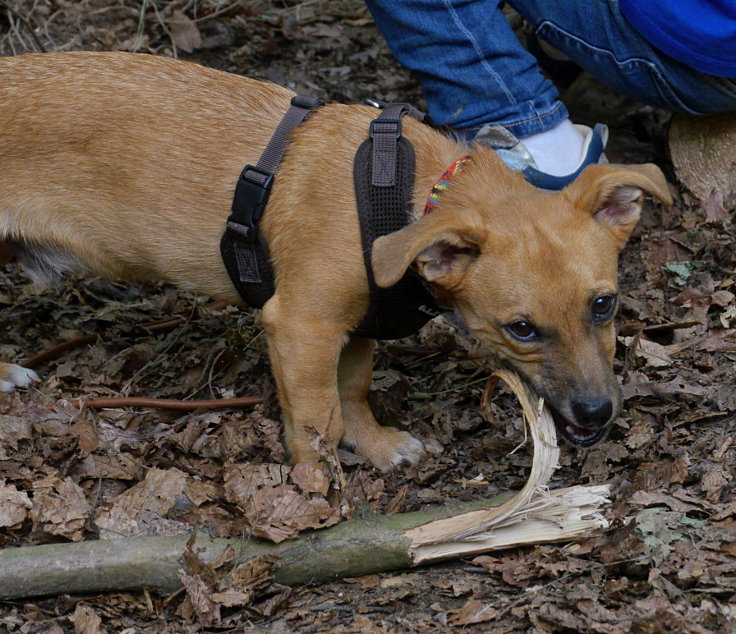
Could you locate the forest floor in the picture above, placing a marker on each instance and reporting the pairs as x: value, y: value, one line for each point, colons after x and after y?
x: 668, y: 561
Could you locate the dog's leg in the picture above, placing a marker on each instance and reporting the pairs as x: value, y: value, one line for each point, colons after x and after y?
x: 13, y: 375
x: 304, y: 354
x: 385, y: 447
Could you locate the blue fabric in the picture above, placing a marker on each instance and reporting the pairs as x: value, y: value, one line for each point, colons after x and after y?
x: 699, y: 33
x: 466, y: 55
x: 474, y: 71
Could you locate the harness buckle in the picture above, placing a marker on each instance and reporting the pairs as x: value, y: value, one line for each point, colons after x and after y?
x: 396, y: 132
x: 251, y: 196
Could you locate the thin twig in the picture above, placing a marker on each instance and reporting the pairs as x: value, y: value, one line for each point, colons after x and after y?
x: 162, y: 23
x: 52, y: 353
x: 164, y: 324
x: 22, y: 19
x: 217, y: 12
x: 418, y: 396
x: 164, y: 403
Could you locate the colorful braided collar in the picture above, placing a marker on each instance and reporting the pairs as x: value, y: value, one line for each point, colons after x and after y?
x: 444, y: 182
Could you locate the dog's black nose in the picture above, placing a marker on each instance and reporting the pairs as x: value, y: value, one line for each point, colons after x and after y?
x: 592, y: 411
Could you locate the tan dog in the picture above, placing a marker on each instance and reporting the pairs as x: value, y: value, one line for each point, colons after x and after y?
x: 124, y: 165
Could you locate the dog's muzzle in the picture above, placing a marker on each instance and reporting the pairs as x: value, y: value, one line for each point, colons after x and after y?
x: 593, y: 417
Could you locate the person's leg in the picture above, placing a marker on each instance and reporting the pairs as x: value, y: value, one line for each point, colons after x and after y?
x: 596, y: 36
x: 475, y: 72
x: 472, y: 68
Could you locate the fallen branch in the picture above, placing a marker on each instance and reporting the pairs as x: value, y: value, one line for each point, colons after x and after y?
x: 353, y: 548
x: 52, y: 353
x: 165, y: 403
x: 56, y: 351
x: 160, y: 403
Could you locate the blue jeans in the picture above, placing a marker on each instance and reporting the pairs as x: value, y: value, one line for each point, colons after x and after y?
x: 474, y: 70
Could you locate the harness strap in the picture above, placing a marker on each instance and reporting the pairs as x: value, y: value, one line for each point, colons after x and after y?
x: 243, y: 247
x: 386, y: 132
x: 383, y: 173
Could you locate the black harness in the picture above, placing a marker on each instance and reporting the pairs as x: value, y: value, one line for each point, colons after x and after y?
x: 383, y: 173
x: 243, y: 247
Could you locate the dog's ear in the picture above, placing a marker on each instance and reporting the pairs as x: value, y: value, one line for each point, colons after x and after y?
x: 441, y: 249
x: 615, y: 193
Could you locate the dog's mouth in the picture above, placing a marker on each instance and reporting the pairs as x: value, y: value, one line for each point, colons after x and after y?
x: 575, y: 434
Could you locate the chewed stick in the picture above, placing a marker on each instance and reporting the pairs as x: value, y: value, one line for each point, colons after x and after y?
x: 532, y: 505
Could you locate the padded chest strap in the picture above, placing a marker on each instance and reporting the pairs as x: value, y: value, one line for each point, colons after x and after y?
x: 383, y: 173
x: 243, y: 247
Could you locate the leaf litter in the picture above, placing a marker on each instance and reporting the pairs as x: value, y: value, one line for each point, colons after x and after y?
x: 668, y: 562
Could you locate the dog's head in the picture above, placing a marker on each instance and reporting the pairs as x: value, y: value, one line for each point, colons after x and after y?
x: 534, y: 275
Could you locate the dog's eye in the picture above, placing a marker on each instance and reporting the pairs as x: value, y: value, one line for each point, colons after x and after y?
x: 522, y: 330
x: 603, y: 307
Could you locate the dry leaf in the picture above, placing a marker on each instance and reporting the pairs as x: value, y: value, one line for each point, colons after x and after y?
x: 463, y: 586
x: 13, y: 429
x: 324, y: 30
x: 651, y: 498
x: 713, y: 207
x: 722, y: 298
x: 279, y: 513
x: 60, y: 507
x: 473, y: 611
x: 86, y: 434
x: 86, y: 621
x: 199, y: 492
x: 115, y: 466
x: 654, y: 354
x: 200, y: 599
x: 184, y: 32
x: 397, y: 502
x: 156, y: 493
x: 14, y: 505
x: 361, y: 623
x: 230, y: 598
x: 714, y: 480
x: 364, y: 486
x: 245, y: 581
x: 141, y: 509
x: 727, y: 316
x: 242, y: 481
x: 309, y: 478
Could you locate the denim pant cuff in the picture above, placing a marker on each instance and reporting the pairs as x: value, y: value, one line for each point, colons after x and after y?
x: 540, y: 122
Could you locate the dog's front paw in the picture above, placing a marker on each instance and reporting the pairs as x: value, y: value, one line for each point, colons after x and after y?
x: 392, y: 448
x: 13, y: 375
